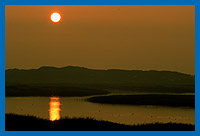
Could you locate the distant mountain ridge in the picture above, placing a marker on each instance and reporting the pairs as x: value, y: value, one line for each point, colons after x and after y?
x: 81, y: 75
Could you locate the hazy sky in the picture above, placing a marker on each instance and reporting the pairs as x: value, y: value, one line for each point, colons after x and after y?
x: 102, y: 37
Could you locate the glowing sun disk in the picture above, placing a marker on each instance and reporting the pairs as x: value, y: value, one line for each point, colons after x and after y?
x: 55, y: 17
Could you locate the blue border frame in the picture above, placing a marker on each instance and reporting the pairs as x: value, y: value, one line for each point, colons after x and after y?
x: 3, y: 3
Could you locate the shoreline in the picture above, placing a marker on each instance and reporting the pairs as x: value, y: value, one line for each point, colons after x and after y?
x: 150, y: 99
x: 14, y: 122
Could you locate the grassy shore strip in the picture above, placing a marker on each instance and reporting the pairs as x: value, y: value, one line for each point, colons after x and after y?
x: 154, y: 99
x: 30, y: 123
x: 31, y: 90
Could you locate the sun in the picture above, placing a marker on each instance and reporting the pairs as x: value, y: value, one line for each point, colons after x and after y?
x: 55, y: 17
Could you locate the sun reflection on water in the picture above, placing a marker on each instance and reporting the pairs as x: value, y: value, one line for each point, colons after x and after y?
x: 54, y: 111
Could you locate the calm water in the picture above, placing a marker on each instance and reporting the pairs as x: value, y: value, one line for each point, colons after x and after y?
x: 54, y: 108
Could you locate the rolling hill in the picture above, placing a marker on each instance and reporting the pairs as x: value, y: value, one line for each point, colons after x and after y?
x: 80, y: 75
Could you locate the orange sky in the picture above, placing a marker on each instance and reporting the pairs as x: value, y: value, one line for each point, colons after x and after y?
x: 103, y: 37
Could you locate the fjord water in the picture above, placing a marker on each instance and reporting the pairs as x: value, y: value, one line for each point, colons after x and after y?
x: 79, y: 107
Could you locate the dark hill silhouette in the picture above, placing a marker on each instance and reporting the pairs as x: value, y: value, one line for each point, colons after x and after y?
x: 31, y: 123
x: 80, y: 75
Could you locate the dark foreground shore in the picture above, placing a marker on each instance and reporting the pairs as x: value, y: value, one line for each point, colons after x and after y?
x: 29, y: 123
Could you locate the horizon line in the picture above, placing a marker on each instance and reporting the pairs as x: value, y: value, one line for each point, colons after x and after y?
x: 48, y: 66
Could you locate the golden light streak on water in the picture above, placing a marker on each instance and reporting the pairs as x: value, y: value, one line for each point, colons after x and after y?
x: 54, y: 111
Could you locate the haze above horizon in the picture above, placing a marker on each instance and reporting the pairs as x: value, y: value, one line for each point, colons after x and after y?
x: 133, y: 37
